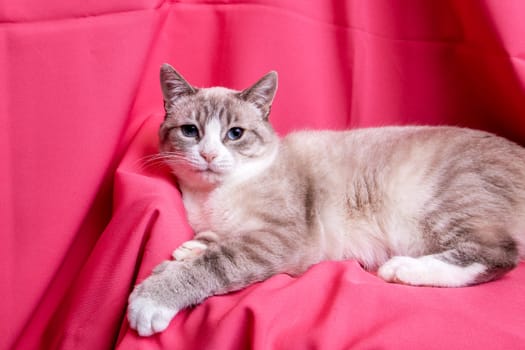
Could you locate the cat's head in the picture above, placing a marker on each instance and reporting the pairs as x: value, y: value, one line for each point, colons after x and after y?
x: 211, y: 134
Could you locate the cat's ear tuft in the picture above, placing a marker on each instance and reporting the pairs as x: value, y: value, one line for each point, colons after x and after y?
x: 262, y: 92
x: 173, y: 84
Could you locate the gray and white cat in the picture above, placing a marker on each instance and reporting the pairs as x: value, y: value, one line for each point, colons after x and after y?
x: 424, y: 206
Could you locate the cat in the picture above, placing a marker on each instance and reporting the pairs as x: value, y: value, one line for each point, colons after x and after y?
x: 421, y: 205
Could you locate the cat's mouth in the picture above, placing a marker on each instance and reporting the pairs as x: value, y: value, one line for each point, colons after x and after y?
x: 209, y: 175
x: 208, y: 170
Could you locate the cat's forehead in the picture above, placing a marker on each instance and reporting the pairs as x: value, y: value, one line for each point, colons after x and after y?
x: 217, y: 93
x: 214, y: 102
x: 216, y: 98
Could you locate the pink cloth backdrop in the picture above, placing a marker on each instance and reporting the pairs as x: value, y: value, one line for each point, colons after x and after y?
x: 82, y: 220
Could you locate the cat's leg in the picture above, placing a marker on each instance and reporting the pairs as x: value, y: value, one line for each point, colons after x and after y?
x: 225, y: 265
x: 195, y: 247
x: 468, y: 264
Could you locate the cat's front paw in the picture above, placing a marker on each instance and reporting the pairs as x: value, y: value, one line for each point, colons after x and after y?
x: 146, y: 315
x: 189, y: 250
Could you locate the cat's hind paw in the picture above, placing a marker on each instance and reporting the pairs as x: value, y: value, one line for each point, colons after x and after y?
x: 148, y: 317
x: 400, y: 269
x: 189, y: 250
x: 429, y: 270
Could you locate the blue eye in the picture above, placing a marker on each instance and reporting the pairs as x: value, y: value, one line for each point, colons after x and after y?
x: 189, y: 130
x: 235, y: 133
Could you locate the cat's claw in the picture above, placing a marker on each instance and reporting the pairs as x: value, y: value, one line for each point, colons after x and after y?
x: 147, y: 316
x: 189, y: 250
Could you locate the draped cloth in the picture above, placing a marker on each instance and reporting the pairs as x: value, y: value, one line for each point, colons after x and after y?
x: 82, y: 219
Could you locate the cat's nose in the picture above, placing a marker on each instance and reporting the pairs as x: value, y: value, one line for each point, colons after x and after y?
x: 208, y: 156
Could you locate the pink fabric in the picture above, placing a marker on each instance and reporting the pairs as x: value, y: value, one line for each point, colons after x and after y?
x: 82, y: 221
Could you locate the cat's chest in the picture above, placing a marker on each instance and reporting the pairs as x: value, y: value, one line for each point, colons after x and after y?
x: 217, y: 211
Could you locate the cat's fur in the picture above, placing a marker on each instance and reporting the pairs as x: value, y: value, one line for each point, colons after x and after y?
x: 429, y: 206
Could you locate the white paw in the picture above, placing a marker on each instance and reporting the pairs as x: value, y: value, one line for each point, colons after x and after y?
x: 148, y: 317
x: 429, y: 270
x: 188, y: 250
x: 404, y: 269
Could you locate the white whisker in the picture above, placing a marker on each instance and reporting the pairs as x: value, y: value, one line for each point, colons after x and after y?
x: 159, y: 160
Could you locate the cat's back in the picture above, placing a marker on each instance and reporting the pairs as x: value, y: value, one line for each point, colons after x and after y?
x: 394, y: 160
x: 400, y: 142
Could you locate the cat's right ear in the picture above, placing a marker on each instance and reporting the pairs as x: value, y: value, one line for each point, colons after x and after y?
x: 173, y: 85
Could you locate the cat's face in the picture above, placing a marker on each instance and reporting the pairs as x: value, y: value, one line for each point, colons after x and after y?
x: 212, y: 133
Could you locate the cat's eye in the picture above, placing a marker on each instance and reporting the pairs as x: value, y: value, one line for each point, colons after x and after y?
x: 189, y: 130
x: 235, y: 133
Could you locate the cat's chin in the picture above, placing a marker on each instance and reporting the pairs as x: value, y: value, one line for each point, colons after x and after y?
x: 197, y: 179
x: 204, y: 179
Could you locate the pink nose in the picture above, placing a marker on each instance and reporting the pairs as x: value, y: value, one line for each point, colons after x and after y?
x: 208, y: 156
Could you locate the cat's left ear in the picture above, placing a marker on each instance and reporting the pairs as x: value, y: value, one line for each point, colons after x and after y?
x: 262, y: 93
x: 173, y: 85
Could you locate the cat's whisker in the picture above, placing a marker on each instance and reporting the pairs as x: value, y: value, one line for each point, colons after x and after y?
x: 144, y: 162
x: 160, y: 160
x: 224, y: 163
